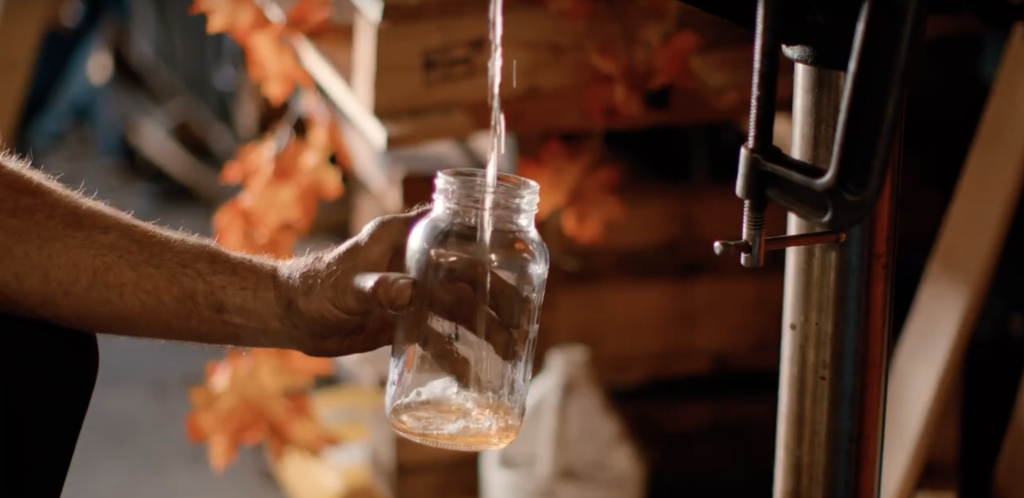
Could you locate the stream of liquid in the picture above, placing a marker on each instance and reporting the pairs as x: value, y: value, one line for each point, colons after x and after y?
x: 463, y: 418
x: 496, y: 149
x: 496, y: 146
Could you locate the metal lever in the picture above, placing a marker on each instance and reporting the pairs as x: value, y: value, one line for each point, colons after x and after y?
x: 839, y: 195
x: 724, y: 247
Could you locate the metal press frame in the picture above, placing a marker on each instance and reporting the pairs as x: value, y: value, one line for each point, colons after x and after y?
x: 839, y: 186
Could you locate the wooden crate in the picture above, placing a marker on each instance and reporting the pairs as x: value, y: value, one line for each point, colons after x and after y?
x: 423, y: 64
x: 434, y: 54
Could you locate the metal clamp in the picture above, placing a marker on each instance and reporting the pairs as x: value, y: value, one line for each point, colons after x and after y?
x: 839, y: 195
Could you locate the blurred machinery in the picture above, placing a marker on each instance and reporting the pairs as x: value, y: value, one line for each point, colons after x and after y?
x: 149, y: 83
x: 852, y: 60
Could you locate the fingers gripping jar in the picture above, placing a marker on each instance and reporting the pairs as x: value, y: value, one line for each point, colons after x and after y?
x: 463, y: 355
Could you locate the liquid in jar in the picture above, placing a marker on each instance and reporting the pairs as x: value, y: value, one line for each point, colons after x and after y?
x: 462, y: 357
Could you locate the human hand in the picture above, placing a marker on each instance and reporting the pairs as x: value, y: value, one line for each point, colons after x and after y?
x: 346, y: 300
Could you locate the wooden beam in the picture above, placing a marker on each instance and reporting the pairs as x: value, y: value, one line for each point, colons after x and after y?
x: 1009, y: 472
x: 364, y: 50
x: 956, y: 279
x: 339, y: 92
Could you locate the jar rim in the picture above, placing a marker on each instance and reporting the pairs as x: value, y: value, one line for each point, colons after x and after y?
x: 478, y: 176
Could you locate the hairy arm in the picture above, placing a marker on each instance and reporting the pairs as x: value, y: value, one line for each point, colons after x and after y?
x: 75, y: 262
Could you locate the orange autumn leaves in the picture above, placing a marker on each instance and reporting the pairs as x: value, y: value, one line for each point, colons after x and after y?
x: 256, y: 396
x: 280, y: 190
x: 618, y: 87
x: 282, y: 180
x: 620, y: 81
x: 260, y: 395
x: 270, y: 62
x: 578, y: 187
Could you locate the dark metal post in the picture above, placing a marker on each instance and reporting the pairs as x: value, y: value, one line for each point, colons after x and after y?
x: 835, y: 328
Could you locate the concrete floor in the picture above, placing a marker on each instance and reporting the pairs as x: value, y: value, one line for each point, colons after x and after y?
x: 133, y: 443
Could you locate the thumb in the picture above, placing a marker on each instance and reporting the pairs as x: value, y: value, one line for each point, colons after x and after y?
x: 391, y: 291
x: 395, y: 228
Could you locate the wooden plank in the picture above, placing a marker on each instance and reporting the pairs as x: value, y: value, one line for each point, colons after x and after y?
x: 335, y: 44
x: 1009, y: 472
x: 643, y: 330
x: 339, y: 92
x: 429, y: 78
x: 957, y: 278
x: 355, y: 104
x: 433, y: 56
x: 364, y: 51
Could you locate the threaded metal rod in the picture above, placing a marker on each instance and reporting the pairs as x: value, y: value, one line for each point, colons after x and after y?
x: 753, y: 233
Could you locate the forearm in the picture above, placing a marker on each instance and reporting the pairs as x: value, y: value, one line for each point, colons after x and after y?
x: 81, y: 264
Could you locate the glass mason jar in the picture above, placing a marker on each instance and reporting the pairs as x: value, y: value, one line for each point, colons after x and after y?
x: 462, y: 357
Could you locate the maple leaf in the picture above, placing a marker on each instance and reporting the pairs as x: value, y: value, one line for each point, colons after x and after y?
x: 235, y: 17
x: 612, y: 93
x: 557, y: 169
x: 273, y: 65
x: 279, y: 201
x: 323, y: 131
x: 268, y: 221
x: 570, y: 185
x: 248, y: 398
x: 252, y: 166
x: 594, y: 206
x: 312, y: 177
x: 241, y: 224
x: 270, y: 61
x: 261, y: 396
x: 310, y: 16
x: 671, y: 65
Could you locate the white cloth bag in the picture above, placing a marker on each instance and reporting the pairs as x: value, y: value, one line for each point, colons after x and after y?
x: 572, y: 443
